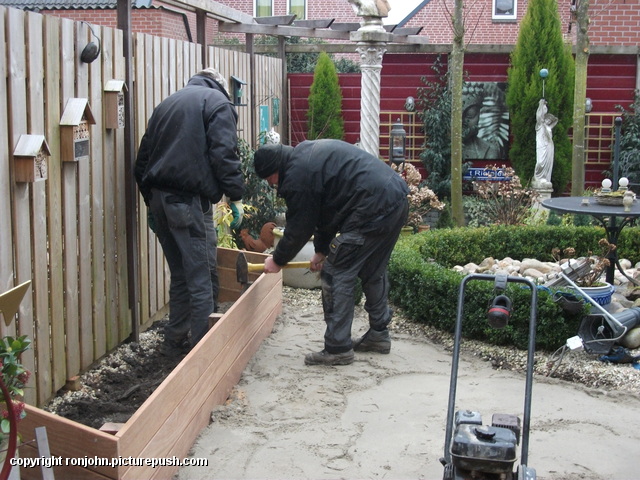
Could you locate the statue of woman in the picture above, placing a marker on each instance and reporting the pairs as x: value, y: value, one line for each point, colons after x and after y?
x: 544, y: 145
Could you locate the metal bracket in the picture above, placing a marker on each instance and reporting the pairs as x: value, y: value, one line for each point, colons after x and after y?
x: 500, y: 282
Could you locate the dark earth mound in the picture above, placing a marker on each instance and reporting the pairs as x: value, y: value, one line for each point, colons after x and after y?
x: 114, y: 388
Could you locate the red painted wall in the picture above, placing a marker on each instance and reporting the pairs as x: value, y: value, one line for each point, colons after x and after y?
x: 611, y: 82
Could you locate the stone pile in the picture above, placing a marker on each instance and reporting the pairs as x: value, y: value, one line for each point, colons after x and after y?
x: 626, y: 294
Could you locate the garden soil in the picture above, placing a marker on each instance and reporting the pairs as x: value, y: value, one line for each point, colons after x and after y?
x: 384, y: 416
x: 113, y: 389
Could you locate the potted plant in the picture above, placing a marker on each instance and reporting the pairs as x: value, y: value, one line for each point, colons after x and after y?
x: 591, y: 282
x: 266, y: 206
x: 421, y: 198
x: 13, y: 380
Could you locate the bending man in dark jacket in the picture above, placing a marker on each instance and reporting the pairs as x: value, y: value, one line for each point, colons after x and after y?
x: 354, y: 205
x: 186, y: 161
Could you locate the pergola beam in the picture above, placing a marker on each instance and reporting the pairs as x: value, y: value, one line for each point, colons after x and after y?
x: 334, y: 33
x: 276, y: 20
x: 326, y: 23
x: 283, y: 31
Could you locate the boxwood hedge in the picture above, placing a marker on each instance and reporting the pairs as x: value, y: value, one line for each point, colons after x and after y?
x: 425, y: 287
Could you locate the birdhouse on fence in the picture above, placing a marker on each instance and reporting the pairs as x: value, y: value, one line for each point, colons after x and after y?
x: 237, y: 91
x: 114, y: 104
x: 74, y: 130
x: 30, y: 159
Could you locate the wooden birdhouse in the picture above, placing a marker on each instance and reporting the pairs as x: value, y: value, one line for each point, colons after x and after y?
x: 114, y: 104
x: 31, y: 159
x: 75, y: 138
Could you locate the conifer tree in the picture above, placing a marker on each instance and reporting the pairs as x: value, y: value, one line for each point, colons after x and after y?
x: 540, y: 45
x: 325, y: 102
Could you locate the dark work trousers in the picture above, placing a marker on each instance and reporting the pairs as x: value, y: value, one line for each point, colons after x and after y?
x: 212, y: 251
x: 187, y: 245
x: 353, y: 255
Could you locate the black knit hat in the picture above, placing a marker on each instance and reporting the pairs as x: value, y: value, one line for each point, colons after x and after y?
x: 266, y: 160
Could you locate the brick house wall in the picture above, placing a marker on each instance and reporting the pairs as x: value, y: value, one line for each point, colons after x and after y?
x: 612, y: 23
x: 154, y: 21
x: 339, y: 9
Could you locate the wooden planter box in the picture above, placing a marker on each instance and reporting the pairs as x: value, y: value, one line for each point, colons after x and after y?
x: 167, y: 424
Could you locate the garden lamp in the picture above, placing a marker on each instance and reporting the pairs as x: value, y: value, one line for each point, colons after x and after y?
x: 397, y: 141
x: 544, y: 73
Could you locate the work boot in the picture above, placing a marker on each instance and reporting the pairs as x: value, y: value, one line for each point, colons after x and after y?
x: 170, y: 348
x: 326, y: 358
x: 373, y: 341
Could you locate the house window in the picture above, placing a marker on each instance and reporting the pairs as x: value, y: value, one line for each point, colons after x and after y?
x: 298, y: 7
x: 264, y: 8
x: 505, y: 9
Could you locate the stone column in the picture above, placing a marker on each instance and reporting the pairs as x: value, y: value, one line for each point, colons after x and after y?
x: 370, y: 65
x: 372, y: 42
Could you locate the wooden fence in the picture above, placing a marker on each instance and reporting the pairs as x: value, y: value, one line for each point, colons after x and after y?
x: 67, y: 233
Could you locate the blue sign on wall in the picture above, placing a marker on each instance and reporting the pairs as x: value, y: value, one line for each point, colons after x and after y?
x: 479, y: 174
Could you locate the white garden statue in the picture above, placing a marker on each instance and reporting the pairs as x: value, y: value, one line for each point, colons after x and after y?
x: 544, y: 146
x: 271, y: 137
x: 370, y: 8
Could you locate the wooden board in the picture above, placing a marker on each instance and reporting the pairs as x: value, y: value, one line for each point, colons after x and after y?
x: 68, y: 439
x: 167, y: 424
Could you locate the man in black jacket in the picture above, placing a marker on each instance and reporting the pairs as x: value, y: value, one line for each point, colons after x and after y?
x: 186, y: 161
x: 354, y: 206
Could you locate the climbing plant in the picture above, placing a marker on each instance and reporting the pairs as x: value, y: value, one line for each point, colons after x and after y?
x: 434, y: 100
x: 630, y: 141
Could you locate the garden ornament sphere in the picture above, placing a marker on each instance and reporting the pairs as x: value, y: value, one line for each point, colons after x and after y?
x: 544, y: 73
x: 623, y: 183
x: 606, y: 184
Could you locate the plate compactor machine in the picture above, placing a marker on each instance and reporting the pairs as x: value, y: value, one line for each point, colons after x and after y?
x: 474, y: 451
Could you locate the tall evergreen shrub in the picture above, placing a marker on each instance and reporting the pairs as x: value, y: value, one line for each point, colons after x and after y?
x: 325, y: 102
x: 540, y: 45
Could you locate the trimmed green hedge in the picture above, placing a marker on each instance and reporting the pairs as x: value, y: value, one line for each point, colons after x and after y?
x: 425, y: 287
x: 451, y: 247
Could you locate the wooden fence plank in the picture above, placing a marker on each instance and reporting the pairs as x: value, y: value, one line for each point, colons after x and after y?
x: 18, y: 101
x: 141, y: 122
x: 146, y: 100
x: 158, y: 95
x: 6, y: 183
x: 40, y: 274
x: 92, y: 328
x: 85, y: 295
x: 70, y: 214
x: 44, y: 380
x: 112, y: 189
x: 123, y: 320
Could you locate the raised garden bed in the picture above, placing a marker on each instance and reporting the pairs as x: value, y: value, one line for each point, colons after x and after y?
x: 167, y: 424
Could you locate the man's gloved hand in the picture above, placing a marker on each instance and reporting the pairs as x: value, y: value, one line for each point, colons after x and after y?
x: 151, y: 221
x: 238, y: 211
